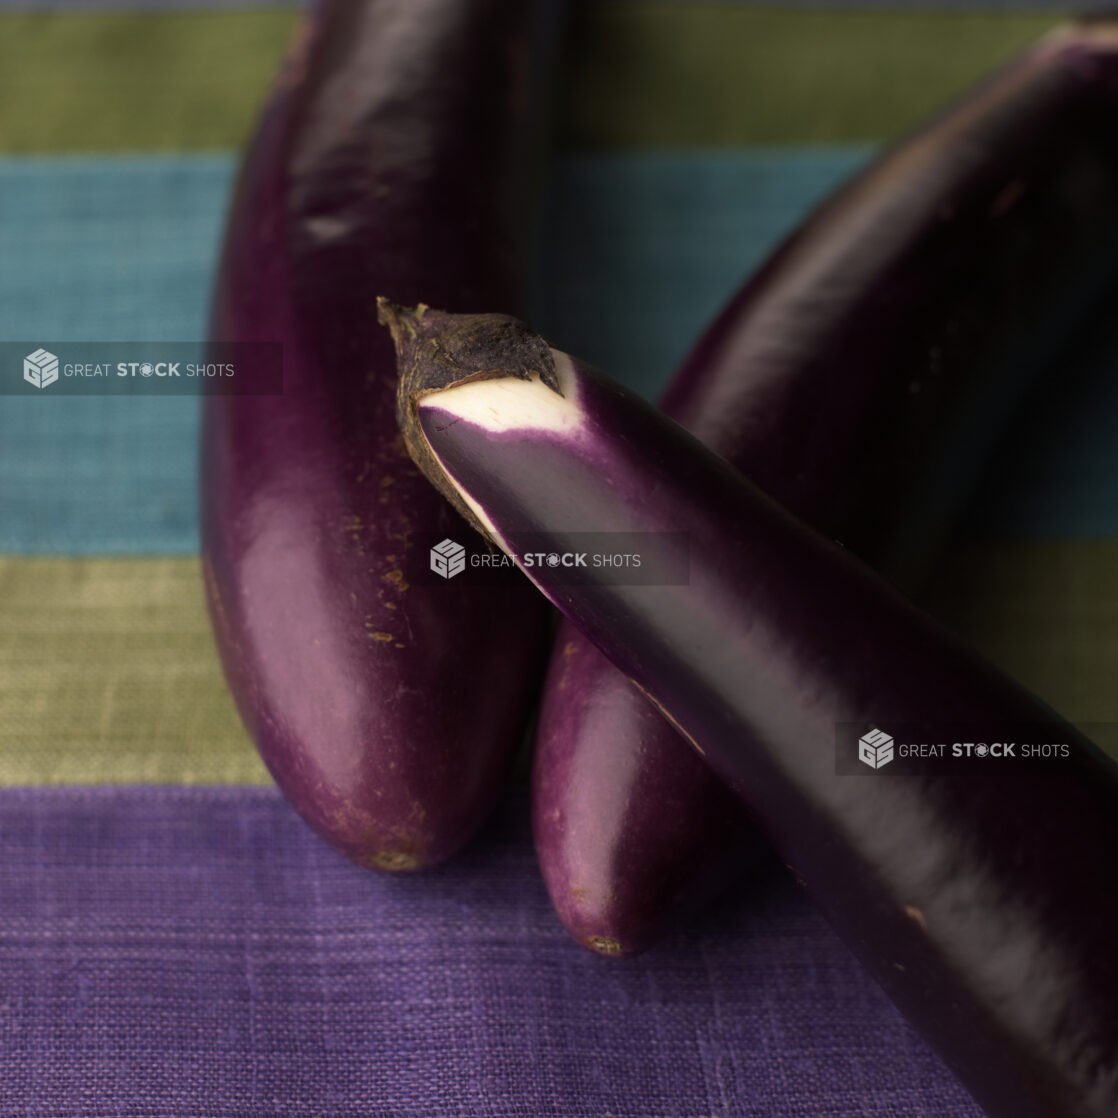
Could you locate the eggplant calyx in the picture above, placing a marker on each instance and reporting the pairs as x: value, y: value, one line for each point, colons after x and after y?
x: 436, y: 351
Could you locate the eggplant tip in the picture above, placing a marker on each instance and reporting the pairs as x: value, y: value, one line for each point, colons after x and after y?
x: 392, y: 861
x: 605, y: 945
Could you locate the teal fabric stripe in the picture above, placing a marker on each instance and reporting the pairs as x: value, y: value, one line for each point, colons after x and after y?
x: 641, y: 250
x: 1056, y: 471
x: 90, y: 476
x: 109, y: 249
x: 104, y: 250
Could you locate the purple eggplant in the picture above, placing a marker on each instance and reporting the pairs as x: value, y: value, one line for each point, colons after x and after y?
x: 858, y: 378
x: 396, y: 155
x: 981, y: 898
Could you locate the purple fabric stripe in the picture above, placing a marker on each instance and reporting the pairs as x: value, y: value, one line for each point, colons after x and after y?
x: 196, y: 951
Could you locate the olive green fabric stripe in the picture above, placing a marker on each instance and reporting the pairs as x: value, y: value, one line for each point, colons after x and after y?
x: 1047, y: 612
x: 639, y: 74
x: 129, y: 81
x: 706, y: 75
x: 108, y: 674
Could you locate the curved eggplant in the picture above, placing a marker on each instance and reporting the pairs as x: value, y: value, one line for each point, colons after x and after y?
x: 395, y: 156
x: 858, y: 378
x: 979, y: 893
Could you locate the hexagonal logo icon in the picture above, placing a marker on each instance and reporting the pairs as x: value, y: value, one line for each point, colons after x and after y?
x: 448, y: 559
x: 875, y: 749
x: 40, y: 368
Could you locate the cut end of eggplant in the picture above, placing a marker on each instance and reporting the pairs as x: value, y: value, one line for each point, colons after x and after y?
x: 437, y: 351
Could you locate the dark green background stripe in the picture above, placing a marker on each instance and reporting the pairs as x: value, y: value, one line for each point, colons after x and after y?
x: 704, y: 75
x: 127, y: 81
x: 639, y: 74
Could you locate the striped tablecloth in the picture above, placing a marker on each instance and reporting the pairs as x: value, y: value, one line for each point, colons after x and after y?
x: 173, y: 941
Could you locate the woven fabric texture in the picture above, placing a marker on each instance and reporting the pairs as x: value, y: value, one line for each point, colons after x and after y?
x: 115, y: 249
x: 174, y: 941
x: 197, y: 953
x: 126, y: 248
x: 724, y: 76
x: 108, y: 673
x: 641, y: 73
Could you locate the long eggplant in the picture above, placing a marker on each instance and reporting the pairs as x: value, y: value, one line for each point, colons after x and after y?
x: 858, y: 378
x: 396, y: 155
x: 979, y: 894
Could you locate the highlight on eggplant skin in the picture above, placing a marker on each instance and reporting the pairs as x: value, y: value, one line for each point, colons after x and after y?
x: 982, y: 899
x: 396, y: 156
x: 907, y: 314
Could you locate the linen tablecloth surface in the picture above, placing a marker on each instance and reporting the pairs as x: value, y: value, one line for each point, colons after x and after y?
x: 173, y: 940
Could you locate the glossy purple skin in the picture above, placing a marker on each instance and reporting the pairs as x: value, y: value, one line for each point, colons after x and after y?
x: 982, y: 901
x: 630, y: 826
x: 891, y: 334
x: 394, y: 159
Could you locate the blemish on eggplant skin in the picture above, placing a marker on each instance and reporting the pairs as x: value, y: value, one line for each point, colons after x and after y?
x: 396, y: 577
x: 382, y: 636
x: 916, y: 916
x: 326, y: 229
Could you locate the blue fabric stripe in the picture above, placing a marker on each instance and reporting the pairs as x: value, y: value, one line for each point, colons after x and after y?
x: 641, y: 250
x: 1056, y: 471
x: 104, y: 250
x: 109, y: 248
